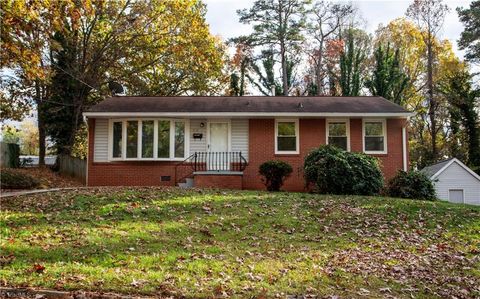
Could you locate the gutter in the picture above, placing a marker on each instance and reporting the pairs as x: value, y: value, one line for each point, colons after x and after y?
x: 247, y: 114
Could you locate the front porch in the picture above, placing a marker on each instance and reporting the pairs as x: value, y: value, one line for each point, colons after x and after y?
x: 211, y: 170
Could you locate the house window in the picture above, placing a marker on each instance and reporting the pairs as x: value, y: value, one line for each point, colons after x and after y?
x: 286, y: 139
x: 374, y: 136
x: 338, y: 134
x: 148, y: 139
x: 163, y: 139
x: 117, y: 139
x: 132, y: 139
x: 179, y: 139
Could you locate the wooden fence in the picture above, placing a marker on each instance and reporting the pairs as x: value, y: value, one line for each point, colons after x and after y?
x: 72, y: 166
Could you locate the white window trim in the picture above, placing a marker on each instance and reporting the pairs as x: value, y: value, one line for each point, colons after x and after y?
x: 155, y: 139
x: 338, y: 120
x: 297, y: 135
x: 384, y: 128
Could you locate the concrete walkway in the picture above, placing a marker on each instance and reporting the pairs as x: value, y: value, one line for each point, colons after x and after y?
x: 28, y: 192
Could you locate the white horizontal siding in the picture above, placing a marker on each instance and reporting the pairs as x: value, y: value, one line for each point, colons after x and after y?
x: 100, y: 153
x: 456, y: 177
x: 240, y: 136
x: 198, y: 145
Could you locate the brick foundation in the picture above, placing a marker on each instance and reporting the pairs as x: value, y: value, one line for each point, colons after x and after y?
x: 218, y: 181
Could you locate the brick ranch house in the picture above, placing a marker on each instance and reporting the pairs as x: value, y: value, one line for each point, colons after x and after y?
x: 221, y: 141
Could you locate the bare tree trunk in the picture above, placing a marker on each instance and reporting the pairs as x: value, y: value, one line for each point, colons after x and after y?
x: 41, y: 125
x: 284, y: 70
x: 431, y: 100
x: 320, y: 70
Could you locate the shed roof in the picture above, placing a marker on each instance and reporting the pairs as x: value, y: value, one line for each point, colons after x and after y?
x: 248, y: 104
x: 435, y: 170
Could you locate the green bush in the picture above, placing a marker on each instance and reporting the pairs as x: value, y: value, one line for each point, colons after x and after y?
x: 11, y: 179
x: 275, y: 173
x: 412, y: 184
x: 334, y: 171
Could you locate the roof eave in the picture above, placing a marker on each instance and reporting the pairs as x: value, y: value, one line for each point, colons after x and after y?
x: 248, y: 114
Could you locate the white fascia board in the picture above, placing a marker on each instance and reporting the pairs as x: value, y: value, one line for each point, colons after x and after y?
x: 455, y: 160
x: 244, y: 114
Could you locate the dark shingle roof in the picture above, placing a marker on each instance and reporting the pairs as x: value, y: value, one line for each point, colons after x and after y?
x: 433, y: 169
x: 248, y: 104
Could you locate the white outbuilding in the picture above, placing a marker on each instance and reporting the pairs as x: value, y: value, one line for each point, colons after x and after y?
x: 454, y: 181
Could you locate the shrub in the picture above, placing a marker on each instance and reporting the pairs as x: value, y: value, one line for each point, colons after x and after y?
x: 275, y: 173
x: 412, y: 184
x: 11, y: 179
x: 334, y: 171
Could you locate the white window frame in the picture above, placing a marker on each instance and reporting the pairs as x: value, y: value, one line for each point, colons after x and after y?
x: 384, y: 129
x: 338, y: 120
x: 155, y: 139
x: 297, y: 135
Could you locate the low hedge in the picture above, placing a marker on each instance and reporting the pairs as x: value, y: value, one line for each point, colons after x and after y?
x: 412, y: 184
x: 275, y: 173
x: 334, y: 171
x: 11, y: 179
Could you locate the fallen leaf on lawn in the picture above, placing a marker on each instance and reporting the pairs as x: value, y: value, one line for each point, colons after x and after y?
x: 38, y: 268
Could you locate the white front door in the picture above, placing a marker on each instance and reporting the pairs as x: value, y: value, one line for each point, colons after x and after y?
x: 455, y: 196
x: 218, y: 158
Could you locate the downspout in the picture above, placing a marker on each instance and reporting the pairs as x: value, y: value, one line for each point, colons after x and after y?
x: 88, y: 149
x: 404, y: 147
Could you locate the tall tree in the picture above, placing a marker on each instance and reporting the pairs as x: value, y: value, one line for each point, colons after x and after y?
x: 429, y: 16
x: 241, y: 64
x: 277, y: 24
x: 324, y: 24
x: 404, y: 35
x: 153, y: 47
x: 352, y: 63
x: 26, y: 38
x: 470, y: 37
x: 463, y: 100
x: 263, y: 77
x: 388, y: 79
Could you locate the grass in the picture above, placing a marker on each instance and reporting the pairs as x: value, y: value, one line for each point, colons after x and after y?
x: 171, y: 242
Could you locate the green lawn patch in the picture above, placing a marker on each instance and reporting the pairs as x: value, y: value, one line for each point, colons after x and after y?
x: 197, y: 243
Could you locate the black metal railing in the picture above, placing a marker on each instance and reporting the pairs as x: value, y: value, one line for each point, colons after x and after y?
x: 209, y: 161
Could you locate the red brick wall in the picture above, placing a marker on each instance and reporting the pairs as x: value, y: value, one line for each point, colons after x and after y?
x: 261, y: 149
x: 218, y: 181
x: 312, y: 135
x: 129, y: 173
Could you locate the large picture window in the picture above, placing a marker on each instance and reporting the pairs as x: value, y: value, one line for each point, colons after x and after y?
x: 338, y: 134
x: 163, y: 139
x: 374, y: 136
x: 286, y: 137
x: 117, y: 139
x: 148, y: 139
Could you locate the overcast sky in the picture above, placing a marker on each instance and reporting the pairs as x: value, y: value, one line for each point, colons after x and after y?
x: 223, y: 20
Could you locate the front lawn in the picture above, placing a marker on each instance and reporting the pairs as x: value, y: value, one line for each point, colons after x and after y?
x: 239, y: 244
